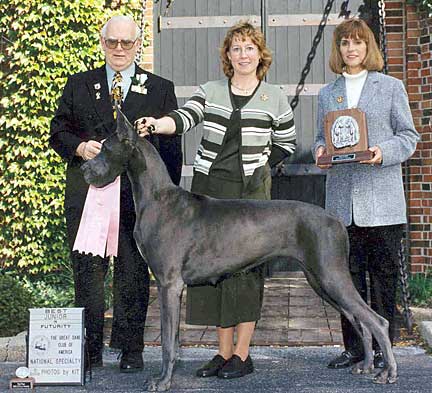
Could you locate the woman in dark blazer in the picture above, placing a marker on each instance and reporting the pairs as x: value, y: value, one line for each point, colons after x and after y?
x: 368, y: 196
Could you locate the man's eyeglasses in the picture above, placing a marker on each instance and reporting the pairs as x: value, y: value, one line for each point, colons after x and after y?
x: 125, y: 44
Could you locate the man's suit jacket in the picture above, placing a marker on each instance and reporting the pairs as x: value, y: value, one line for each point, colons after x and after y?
x: 85, y: 112
x: 373, y: 195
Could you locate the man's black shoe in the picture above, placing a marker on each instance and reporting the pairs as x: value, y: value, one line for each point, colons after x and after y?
x: 378, y: 360
x: 236, y: 368
x: 212, y: 368
x: 131, y: 362
x: 345, y: 359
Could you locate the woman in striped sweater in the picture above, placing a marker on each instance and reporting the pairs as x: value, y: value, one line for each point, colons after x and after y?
x: 248, y: 127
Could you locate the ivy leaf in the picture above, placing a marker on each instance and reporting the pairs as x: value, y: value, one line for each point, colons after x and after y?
x: 44, y: 42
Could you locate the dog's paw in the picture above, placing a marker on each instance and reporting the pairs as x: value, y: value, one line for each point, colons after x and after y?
x: 385, y: 376
x: 362, y: 368
x: 158, y: 385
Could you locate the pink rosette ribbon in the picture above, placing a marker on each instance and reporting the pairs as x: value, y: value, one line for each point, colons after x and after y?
x: 98, y: 231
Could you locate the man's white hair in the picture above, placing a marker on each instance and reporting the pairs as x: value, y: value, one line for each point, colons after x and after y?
x: 121, y: 18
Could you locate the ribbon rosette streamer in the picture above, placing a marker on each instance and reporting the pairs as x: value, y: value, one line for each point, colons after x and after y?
x: 98, y: 231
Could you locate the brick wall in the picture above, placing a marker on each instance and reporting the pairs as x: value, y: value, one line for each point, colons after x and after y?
x: 147, y: 55
x: 409, y: 51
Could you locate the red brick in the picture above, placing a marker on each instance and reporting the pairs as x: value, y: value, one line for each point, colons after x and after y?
x: 396, y: 52
x: 393, y: 5
x: 414, y: 81
x: 417, y: 260
x: 425, y: 72
x: 395, y: 36
x: 413, y: 24
x: 412, y: 73
x: 394, y: 21
x: 416, y: 267
x: 413, y: 33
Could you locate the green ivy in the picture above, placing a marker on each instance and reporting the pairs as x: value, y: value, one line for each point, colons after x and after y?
x: 43, y: 41
x: 424, y: 5
x: 15, y: 300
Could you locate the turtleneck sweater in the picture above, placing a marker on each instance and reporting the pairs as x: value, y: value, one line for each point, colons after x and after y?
x: 354, y: 84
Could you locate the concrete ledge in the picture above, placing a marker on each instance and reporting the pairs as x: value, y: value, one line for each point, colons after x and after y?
x: 17, y: 348
x: 4, y: 344
x: 421, y: 314
x: 426, y: 331
x: 13, y: 349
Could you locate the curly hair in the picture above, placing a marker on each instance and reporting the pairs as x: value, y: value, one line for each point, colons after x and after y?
x: 356, y: 29
x: 244, y: 30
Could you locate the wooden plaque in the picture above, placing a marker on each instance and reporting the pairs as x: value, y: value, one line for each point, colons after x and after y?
x: 346, y: 137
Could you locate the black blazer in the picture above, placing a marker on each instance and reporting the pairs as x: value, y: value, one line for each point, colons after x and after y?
x: 83, y: 114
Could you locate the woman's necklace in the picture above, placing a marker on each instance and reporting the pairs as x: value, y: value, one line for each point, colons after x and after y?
x: 246, y: 91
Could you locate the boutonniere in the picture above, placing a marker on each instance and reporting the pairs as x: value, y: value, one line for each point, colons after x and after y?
x: 138, y: 83
x: 97, y: 87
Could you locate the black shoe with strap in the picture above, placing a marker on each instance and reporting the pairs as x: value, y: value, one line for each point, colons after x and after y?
x: 211, y: 368
x: 378, y: 360
x: 131, y: 362
x: 345, y: 359
x: 236, y: 368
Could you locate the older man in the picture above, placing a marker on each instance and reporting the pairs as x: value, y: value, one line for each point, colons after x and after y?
x: 84, y: 118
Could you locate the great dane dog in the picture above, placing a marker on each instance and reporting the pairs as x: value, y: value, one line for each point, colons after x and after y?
x: 191, y: 239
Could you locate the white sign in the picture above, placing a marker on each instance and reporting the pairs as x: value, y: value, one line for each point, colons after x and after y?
x: 56, y: 345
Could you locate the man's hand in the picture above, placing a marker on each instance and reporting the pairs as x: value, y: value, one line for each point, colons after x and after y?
x: 88, y: 150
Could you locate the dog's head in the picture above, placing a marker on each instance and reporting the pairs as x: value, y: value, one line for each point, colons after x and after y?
x: 114, y: 155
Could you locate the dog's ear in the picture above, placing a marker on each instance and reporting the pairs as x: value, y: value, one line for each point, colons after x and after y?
x: 125, y: 130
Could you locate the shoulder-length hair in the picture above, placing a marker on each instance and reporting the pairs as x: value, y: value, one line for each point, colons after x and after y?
x: 355, y: 29
x: 243, y: 30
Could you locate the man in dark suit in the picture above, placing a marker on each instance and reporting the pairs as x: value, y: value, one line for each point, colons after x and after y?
x: 84, y: 118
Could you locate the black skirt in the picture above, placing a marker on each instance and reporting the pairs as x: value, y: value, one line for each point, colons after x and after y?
x: 239, y: 297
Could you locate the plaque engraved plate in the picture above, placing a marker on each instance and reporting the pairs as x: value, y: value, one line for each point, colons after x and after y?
x: 346, y: 137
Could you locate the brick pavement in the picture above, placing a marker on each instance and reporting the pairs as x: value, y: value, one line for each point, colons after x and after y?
x: 292, y: 315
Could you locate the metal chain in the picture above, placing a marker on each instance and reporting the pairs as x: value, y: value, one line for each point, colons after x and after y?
x: 167, y: 8
x: 403, y: 265
x: 383, y: 33
x: 405, y: 293
x: 143, y: 23
x: 142, y: 27
x: 311, y: 54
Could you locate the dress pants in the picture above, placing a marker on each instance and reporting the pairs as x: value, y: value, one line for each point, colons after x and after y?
x: 130, y: 289
x: 374, y: 250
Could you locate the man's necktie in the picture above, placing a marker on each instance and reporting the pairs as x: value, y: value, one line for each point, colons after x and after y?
x: 116, y: 91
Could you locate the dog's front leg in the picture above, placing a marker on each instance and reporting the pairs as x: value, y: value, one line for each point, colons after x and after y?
x: 169, y: 303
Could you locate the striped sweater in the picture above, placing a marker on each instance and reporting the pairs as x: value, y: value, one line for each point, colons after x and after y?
x: 266, y: 119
